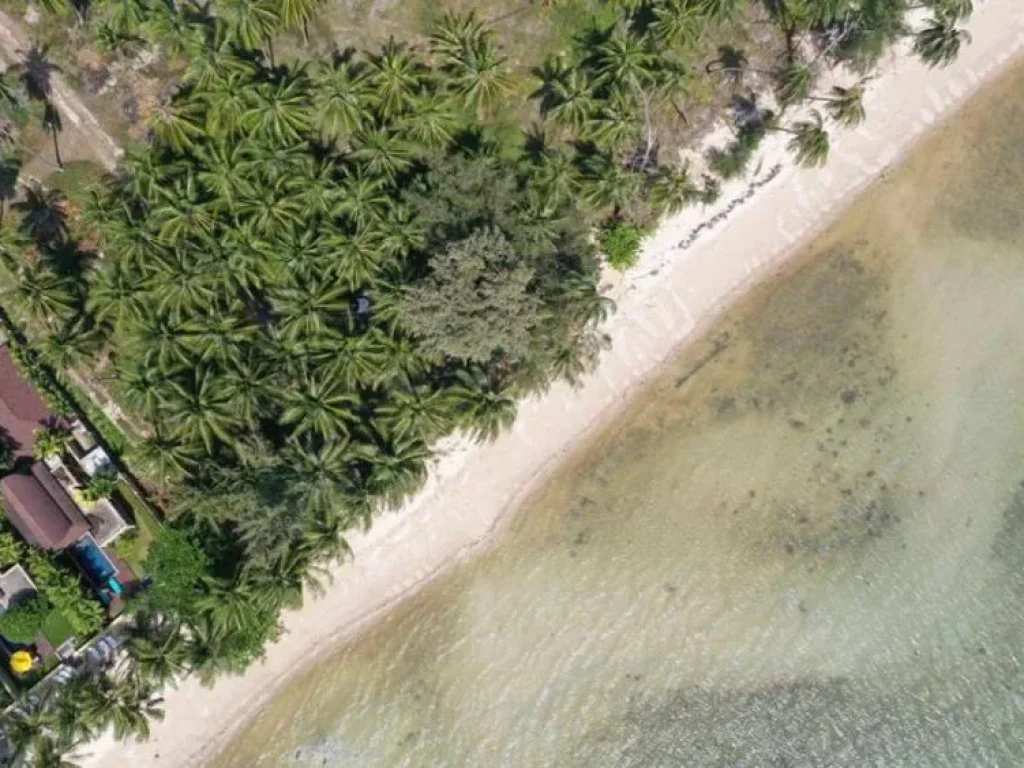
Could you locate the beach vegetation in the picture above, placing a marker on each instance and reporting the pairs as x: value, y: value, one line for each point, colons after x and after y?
x: 314, y: 263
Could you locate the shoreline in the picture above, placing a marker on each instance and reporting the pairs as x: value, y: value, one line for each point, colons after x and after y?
x: 669, y: 300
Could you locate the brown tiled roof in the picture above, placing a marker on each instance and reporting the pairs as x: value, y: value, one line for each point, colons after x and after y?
x: 41, y: 509
x: 22, y: 410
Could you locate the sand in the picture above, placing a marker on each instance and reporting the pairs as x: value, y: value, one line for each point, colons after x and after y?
x: 670, y: 297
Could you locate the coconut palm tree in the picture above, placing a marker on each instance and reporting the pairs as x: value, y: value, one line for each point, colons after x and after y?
x: 125, y: 703
x: 794, y: 82
x: 419, y: 411
x: 165, y: 459
x: 846, y: 105
x: 28, y: 726
x: 46, y: 297
x: 956, y: 10
x: 397, y: 467
x: 200, y: 410
x: 307, y: 309
x: 42, y: 213
x: 938, y: 42
x: 677, y: 23
x: 176, y: 125
x: 251, y: 24
x: 671, y: 188
x: 396, y: 78
x: 341, y: 96
x: 477, y: 71
x: 156, y: 647
x: 279, y: 110
x: 319, y: 403
x: 722, y: 10
x: 810, y: 142
x: 483, y: 408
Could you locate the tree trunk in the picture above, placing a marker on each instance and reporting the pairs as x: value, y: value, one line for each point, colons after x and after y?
x: 270, y: 53
x: 56, y: 149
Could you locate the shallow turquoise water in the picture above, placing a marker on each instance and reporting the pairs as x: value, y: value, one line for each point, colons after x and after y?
x: 803, y: 546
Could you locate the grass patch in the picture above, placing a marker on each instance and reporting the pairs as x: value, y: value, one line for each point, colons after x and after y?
x: 57, y: 628
x: 134, y: 546
x: 76, y: 178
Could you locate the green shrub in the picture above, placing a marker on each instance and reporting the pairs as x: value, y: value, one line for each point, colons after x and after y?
x: 101, y: 486
x: 49, y: 441
x: 25, y: 619
x: 621, y: 245
x: 6, y: 457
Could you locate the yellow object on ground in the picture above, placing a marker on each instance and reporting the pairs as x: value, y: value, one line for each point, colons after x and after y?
x: 21, y: 662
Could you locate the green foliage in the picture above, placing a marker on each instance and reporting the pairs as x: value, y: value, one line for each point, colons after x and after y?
x: 6, y: 456
x: 476, y: 302
x: 177, y: 566
x: 621, y: 245
x: 49, y: 441
x: 23, y: 621
x: 100, y: 486
x: 65, y: 591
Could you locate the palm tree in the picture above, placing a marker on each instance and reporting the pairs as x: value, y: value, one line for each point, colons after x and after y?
x: 671, y: 188
x: 296, y: 14
x: 279, y: 110
x: 319, y: 403
x: 363, y: 197
x: 48, y: 298
x: 115, y: 296
x: 722, y: 10
x: 307, y: 309
x: 26, y: 727
x: 431, y: 122
x: 938, y: 42
x: 251, y: 23
x: 166, y: 459
x: 320, y: 472
x: 810, y: 141
x: 396, y: 77
x: 398, y: 467
x: 469, y: 56
x: 42, y: 213
x: 846, y: 105
x: 341, y: 96
x: 419, y: 412
x: 200, y: 410
x: 382, y: 152
x: 484, y: 409
x: 677, y: 23
x: 955, y: 10
x: 177, y: 126
x: 795, y: 82
x: 248, y: 385
x: 157, y: 649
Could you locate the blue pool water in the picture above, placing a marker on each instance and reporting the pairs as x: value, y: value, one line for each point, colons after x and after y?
x: 94, y: 563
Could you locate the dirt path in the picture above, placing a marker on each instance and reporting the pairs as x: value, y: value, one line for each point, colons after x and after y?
x: 81, y: 135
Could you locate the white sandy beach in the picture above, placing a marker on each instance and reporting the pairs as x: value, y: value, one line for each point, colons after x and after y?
x: 662, y: 304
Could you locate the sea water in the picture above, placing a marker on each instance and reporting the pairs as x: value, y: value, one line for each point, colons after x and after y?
x: 803, y: 545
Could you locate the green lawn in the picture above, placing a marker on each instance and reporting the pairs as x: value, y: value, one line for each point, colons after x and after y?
x: 133, y: 546
x: 56, y: 628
